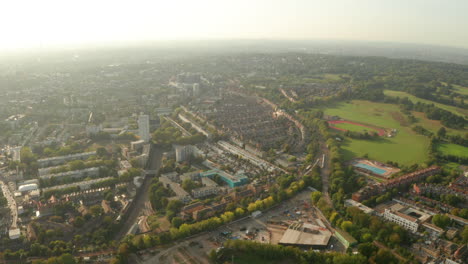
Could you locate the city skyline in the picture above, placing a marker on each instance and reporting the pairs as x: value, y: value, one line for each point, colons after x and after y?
x: 31, y: 24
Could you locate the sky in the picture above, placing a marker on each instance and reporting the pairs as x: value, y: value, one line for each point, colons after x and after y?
x: 26, y: 24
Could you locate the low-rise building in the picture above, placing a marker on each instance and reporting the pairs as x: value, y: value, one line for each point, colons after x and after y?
x: 89, y: 172
x: 231, y: 180
x: 14, y: 233
x: 205, y: 191
x: 345, y: 238
x: 360, y: 206
x: 54, y: 161
x: 180, y: 193
x: 306, y: 235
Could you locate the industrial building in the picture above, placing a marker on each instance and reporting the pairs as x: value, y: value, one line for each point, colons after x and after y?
x: 306, y: 235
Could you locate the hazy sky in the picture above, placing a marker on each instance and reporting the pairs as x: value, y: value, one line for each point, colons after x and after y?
x: 36, y: 23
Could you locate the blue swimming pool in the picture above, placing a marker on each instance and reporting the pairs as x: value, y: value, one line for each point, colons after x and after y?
x: 371, y: 168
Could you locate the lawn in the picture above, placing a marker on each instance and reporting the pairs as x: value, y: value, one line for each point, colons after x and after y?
x: 406, y: 147
x: 453, y: 149
x: 414, y: 99
x: 353, y: 128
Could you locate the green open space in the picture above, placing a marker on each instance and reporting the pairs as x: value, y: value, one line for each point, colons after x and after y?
x: 452, y: 149
x: 461, y: 89
x: 354, y: 128
x: 406, y: 147
x: 414, y: 99
x: 326, y: 77
x: 435, y: 125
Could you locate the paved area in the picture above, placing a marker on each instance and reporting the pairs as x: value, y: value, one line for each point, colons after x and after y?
x: 263, y: 229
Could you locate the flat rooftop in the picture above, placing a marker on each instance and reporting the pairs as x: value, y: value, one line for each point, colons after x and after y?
x: 306, y: 235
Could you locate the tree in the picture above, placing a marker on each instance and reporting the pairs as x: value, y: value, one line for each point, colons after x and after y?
x: 441, y: 221
x: 227, y: 217
x: 251, y: 207
x: 315, y: 197
x: 174, y: 205
x: 147, y: 241
x: 96, y: 210
x: 176, y: 222
x: 385, y: 257
x: 346, y: 226
x: 67, y: 259
x: 101, y: 152
x: 346, y: 259
x: 188, y: 185
x: 442, y: 132
x: 395, y: 239
x: 464, y: 234
x: 239, y: 212
x: 367, y: 249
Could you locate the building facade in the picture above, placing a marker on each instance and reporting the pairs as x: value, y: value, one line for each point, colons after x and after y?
x: 144, y: 127
x: 405, y: 221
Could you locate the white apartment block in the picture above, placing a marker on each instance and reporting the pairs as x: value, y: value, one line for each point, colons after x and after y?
x: 205, y: 191
x: 401, y: 219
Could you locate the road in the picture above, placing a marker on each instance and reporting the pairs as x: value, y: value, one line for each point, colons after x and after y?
x: 142, y: 196
x: 325, y: 172
x: 184, y: 131
x: 11, y: 204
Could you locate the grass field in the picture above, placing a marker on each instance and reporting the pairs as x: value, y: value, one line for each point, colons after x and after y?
x: 406, y: 147
x: 434, y: 125
x: 354, y: 128
x: 453, y: 149
x: 414, y: 99
x: 461, y: 89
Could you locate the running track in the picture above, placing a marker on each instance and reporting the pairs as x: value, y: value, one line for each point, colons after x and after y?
x: 381, y: 132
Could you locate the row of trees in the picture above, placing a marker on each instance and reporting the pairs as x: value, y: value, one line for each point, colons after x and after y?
x: 432, y: 112
x: 368, y: 253
x: 181, y: 230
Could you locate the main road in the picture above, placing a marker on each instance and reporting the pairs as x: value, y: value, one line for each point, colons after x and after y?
x: 142, y: 195
x: 11, y: 204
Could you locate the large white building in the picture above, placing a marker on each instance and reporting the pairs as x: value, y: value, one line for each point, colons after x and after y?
x: 184, y: 153
x: 405, y: 216
x: 403, y: 220
x: 144, y: 127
